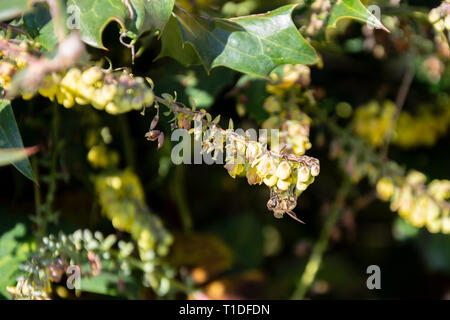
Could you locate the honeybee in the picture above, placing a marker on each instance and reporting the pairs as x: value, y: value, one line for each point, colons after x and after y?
x: 281, y: 205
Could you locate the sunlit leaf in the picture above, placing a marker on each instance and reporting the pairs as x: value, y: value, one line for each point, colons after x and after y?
x: 352, y: 9
x: 253, y: 44
x: 10, y: 139
x: 12, y: 8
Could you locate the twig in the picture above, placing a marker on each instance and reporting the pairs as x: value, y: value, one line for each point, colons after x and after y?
x: 128, y: 45
x: 315, y: 260
x: 399, y: 103
x: 14, y: 50
x: 13, y: 28
x: 180, y: 198
x: 128, y: 141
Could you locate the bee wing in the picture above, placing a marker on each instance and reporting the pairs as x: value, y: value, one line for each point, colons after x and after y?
x: 294, y: 216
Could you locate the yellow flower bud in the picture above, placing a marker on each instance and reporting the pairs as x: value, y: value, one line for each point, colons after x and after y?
x: 301, y: 186
x: 71, y: 78
x: 416, y: 177
x: 234, y: 169
x: 446, y: 225
x: 283, y: 185
x: 68, y: 102
x: 434, y: 226
x: 112, y: 108
x: 265, y: 166
x: 253, y: 151
x: 284, y: 170
x: 303, y: 174
x: 252, y: 176
x: 92, y: 75
x: 270, y: 181
x: 385, y: 189
x: 85, y: 90
x: 315, y: 170
x: 434, y: 15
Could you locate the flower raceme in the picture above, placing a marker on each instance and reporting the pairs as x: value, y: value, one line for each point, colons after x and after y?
x: 113, y: 92
x: 285, y: 173
x: 103, y: 90
x: 420, y: 204
x: 373, y: 120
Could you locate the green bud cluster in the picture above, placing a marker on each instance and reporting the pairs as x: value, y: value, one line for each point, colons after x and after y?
x: 123, y: 202
x: 54, y: 255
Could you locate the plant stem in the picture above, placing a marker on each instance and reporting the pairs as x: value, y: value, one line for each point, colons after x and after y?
x: 315, y: 260
x: 399, y: 103
x: 180, y: 198
x: 37, y: 191
x: 50, y: 197
x: 128, y: 142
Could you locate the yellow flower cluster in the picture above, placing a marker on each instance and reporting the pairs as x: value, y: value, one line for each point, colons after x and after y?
x: 321, y: 9
x: 420, y: 204
x: 102, y: 89
x: 291, y: 76
x: 8, y: 67
x: 372, y: 121
x: 122, y: 200
x: 101, y: 158
x: 284, y: 169
x: 259, y: 165
x: 293, y: 124
x: 440, y: 16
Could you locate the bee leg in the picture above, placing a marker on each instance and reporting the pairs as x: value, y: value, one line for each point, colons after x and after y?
x: 294, y: 191
x: 294, y: 216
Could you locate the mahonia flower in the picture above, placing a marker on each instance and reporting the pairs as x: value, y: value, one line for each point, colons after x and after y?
x: 275, y: 167
x: 100, y: 157
x: 373, y: 120
x: 420, y: 204
x: 292, y: 76
x: 440, y: 16
x: 104, y: 90
x: 101, y: 89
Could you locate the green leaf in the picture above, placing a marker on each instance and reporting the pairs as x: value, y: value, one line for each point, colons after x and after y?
x: 253, y: 44
x: 106, y: 283
x: 10, y: 9
x: 352, y: 9
x: 38, y: 24
x: 96, y: 15
x: 10, y: 138
x: 12, y: 253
